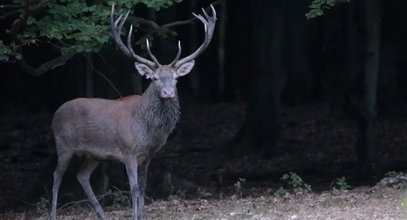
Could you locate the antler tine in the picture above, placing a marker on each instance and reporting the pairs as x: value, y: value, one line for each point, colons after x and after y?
x: 178, y: 54
x: 116, y: 34
x: 213, y: 11
x: 121, y: 20
x: 202, y: 19
x: 117, y: 26
x: 204, y: 12
x: 209, y: 25
x: 151, y: 54
x: 134, y: 55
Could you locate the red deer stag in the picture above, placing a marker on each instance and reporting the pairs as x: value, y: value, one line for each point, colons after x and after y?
x: 129, y: 130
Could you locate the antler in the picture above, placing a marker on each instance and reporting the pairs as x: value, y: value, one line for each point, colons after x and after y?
x: 209, y: 24
x: 117, y: 26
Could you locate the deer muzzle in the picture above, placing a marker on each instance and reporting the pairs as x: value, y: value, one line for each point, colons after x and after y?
x: 168, y: 93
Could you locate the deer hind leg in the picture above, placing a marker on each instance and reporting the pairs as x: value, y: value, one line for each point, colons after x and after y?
x: 62, y: 164
x: 83, y: 176
x: 131, y: 168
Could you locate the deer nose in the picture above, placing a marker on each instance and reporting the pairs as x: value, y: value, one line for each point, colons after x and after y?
x: 167, y: 93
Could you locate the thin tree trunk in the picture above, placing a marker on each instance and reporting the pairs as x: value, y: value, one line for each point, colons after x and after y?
x: 221, y: 49
x: 193, y: 77
x: 367, y: 152
x: 238, y: 48
x: 261, y: 129
x: 278, y: 68
x: 300, y: 83
x: 354, y: 52
x: 89, y: 76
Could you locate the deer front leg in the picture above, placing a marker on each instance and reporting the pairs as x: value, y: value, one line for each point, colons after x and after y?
x: 131, y: 168
x: 142, y: 184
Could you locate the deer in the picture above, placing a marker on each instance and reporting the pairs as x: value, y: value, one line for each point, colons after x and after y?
x: 130, y: 129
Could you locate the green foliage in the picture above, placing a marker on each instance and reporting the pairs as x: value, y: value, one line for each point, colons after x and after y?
x: 119, y: 197
x: 239, y: 186
x: 179, y: 195
x: 341, y: 184
x: 71, y: 26
x: 6, y: 52
x: 317, y: 7
x: 294, y: 184
x: 281, y: 191
x: 394, y: 174
x: 158, y: 4
x: 42, y: 203
x: 203, y: 193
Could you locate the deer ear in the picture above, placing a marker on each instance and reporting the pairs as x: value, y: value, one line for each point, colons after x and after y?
x: 143, y: 70
x: 185, y: 68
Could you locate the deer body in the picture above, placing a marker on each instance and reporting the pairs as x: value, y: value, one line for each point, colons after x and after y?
x: 130, y: 129
x: 134, y: 126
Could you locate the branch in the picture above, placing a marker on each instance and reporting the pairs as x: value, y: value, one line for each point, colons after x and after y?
x: 154, y: 25
x: 92, y: 68
x: 45, y: 67
x: 11, y: 6
x: 99, y: 198
x: 191, y: 20
x: 175, y: 23
x: 16, y: 27
x: 9, y: 13
x: 34, y: 8
x: 19, y: 23
x: 109, y: 82
x: 147, y: 22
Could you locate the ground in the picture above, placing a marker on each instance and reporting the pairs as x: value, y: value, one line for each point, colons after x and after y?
x: 360, y: 203
x: 314, y: 144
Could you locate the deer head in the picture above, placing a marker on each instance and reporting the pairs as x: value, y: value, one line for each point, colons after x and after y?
x: 164, y: 76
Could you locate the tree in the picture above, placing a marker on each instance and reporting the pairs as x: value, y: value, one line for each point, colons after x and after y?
x: 266, y: 80
x: 66, y: 27
x: 367, y: 110
x: 367, y: 152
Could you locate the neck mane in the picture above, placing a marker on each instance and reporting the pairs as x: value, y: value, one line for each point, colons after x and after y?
x: 160, y: 114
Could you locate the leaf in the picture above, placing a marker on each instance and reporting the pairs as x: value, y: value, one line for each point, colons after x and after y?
x: 73, y: 27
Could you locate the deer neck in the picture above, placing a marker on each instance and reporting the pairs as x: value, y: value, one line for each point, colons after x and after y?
x: 160, y: 114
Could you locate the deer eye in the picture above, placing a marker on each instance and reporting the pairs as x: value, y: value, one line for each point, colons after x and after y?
x: 154, y: 76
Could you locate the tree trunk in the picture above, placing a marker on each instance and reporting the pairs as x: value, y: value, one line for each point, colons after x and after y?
x: 261, y: 128
x: 193, y: 77
x: 354, y: 61
x: 238, y: 49
x: 367, y: 152
x: 207, y: 67
x: 221, y: 48
x: 300, y: 81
